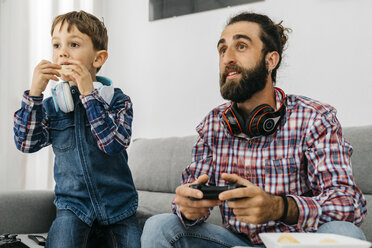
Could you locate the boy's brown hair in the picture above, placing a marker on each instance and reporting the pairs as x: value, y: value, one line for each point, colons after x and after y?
x: 87, y: 24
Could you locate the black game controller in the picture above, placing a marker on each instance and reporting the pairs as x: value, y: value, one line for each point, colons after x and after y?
x: 211, y: 192
x: 11, y: 241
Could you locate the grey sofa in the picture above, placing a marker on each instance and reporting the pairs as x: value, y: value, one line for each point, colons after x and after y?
x: 156, y: 166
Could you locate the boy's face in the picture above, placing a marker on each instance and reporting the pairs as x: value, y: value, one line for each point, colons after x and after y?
x: 73, y: 45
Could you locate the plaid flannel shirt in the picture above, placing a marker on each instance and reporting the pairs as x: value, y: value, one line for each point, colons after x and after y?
x: 307, y: 159
x: 111, y: 125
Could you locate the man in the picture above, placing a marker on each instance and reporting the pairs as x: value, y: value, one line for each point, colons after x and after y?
x: 288, y: 151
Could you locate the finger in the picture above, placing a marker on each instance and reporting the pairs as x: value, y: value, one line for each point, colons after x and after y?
x: 54, y: 78
x: 242, y: 203
x: 43, y: 62
x: 50, y: 77
x: 202, y: 179
x: 66, y: 78
x: 186, y: 191
x: 51, y: 71
x: 76, y: 66
x: 238, y: 194
x: 46, y: 64
x: 202, y: 203
x: 250, y: 190
x: 187, y: 202
x: 233, y: 178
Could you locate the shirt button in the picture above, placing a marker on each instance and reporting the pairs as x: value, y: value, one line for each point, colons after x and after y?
x: 73, y: 91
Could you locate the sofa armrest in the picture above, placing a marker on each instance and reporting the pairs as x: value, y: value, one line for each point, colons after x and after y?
x: 27, y: 211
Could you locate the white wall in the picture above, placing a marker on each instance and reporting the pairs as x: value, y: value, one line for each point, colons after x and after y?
x: 170, y: 67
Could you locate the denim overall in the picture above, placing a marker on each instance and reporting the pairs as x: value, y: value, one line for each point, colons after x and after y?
x: 90, y: 183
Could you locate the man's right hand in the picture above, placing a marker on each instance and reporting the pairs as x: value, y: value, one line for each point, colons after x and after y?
x: 190, y: 209
x: 43, y: 72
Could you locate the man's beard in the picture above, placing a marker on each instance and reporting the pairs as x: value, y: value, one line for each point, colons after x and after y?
x: 252, y: 81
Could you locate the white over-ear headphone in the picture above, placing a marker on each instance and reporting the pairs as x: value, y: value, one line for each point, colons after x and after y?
x: 62, y: 97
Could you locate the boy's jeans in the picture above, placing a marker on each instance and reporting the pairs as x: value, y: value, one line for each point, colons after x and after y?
x: 69, y: 231
x: 166, y: 230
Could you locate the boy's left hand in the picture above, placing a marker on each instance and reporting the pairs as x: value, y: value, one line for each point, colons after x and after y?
x: 80, y: 74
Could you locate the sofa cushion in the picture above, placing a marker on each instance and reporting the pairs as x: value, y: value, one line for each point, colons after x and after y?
x: 361, y: 140
x: 367, y: 224
x: 26, y: 211
x: 156, y: 164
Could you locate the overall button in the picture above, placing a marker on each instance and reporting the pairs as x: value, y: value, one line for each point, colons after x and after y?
x: 73, y: 91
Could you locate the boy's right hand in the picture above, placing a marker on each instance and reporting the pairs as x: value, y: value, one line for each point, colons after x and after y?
x: 43, y: 72
x: 190, y: 209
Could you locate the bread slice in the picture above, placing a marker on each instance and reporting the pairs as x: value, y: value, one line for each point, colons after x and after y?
x: 286, y: 238
x: 64, y: 70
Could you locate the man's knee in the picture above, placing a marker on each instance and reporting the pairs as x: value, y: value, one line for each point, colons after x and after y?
x: 342, y: 228
x: 158, y: 229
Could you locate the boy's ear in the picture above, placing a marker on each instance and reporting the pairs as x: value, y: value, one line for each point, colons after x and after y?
x: 101, y: 57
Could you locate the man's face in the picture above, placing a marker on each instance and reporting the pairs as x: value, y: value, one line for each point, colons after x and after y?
x: 243, y: 69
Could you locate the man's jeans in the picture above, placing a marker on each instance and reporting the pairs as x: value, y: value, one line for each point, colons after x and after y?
x: 69, y: 231
x: 166, y: 230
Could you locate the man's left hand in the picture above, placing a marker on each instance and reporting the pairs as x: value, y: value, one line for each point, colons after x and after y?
x: 257, y: 207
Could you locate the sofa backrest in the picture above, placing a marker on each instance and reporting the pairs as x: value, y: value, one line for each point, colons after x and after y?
x: 156, y: 164
x: 361, y: 140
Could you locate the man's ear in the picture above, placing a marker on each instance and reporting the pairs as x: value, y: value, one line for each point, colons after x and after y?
x: 100, y: 59
x: 272, y: 60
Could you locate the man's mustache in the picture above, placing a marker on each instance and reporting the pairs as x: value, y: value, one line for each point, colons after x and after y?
x: 228, y: 68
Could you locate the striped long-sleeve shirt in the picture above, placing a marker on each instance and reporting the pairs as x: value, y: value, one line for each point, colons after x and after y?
x: 307, y: 159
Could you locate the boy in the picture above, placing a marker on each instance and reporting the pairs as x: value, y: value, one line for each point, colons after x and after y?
x: 89, y: 130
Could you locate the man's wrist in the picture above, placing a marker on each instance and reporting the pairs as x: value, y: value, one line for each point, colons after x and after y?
x: 186, y: 220
x: 286, y: 210
x: 283, y: 217
x: 293, y: 212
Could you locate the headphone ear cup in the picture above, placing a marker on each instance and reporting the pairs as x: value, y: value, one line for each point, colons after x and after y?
x: 253, y: 125
x: 233, y: 121
x: 238, y: 116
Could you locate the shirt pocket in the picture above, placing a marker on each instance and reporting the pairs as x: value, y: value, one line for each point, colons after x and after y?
x: 62, y: 134
x: 281, y: 176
